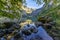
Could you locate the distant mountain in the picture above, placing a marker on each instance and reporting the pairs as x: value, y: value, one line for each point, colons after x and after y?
x: 37, y: 11
x: 33, y: 14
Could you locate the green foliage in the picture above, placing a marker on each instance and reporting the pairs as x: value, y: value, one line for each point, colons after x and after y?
x: 11, y: 8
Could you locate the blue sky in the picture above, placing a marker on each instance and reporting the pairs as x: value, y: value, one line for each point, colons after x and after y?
x: 32, y: 4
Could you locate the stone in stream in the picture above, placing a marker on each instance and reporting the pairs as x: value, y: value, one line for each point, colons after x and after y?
x: 3, y: 38
x: 26, y: 32
x: 18, y: 37
x: 1, y: 33
x: 41, y: 34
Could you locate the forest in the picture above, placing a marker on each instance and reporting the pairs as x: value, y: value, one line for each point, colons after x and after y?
x: 20, y: 21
